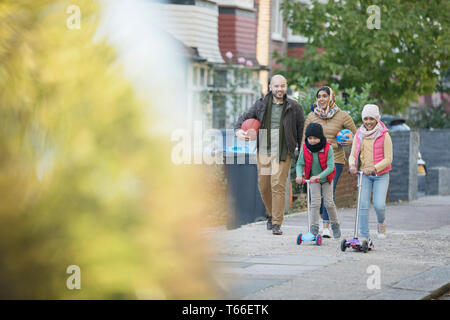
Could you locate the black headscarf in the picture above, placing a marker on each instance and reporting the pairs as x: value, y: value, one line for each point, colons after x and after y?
x: 315, y: 130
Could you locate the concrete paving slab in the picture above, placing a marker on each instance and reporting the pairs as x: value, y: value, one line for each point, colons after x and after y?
x: 229, y: 258
x: 428, y: 200
x: 428, y: 281
x: 304, y: 260
x: 232, y: 264
x: 269, y: 271
x: 398, y: 294
x: 240, y: 287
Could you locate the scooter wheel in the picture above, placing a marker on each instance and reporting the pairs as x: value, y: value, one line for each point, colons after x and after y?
x: 364, y: 246
x: 343, y: 245
x: 318, y: 239
x: 299, y: 239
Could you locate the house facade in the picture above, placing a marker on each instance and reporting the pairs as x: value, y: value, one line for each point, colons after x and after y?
x: 218, y: 87
x: 231, y: 43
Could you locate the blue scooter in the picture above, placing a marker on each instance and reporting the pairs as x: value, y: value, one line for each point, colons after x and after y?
x: 309, y: 236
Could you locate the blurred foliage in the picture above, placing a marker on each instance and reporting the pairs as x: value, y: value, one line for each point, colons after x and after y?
x: 299, y: 204
x: 444, y: 82
x: 351, y: 100
x: 217, y: 182
x: 296, y: 188
x: 82, y: 182
x: 429, y: 117
x: 402, y: 59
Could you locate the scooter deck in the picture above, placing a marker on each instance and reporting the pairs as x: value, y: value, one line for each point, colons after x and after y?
x: 308, y: 237
x: 357, y: 245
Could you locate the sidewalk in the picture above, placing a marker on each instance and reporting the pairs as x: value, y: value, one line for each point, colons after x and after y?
x: 413, y: 262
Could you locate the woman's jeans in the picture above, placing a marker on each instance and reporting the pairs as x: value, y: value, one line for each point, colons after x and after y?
x: 379, y: 186
x: 323, y: 210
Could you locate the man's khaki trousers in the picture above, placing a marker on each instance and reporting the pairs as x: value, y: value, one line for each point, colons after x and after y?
x: 272, y: 176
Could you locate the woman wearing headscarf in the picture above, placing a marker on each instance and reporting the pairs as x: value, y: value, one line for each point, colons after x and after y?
x: 332, y: 119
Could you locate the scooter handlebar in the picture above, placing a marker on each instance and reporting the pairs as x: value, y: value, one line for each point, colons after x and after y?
x: 306, y: 181
x: 359, y: 172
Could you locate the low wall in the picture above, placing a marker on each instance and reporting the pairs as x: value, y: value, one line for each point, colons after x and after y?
x: 403, y: 182
x: 434, y: 147
x: 438, y: 181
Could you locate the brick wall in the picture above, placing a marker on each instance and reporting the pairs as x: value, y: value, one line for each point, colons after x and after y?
x: 296, y: 50
x: 345, y: 195
x: 237, y: 29
x: 280, y: 48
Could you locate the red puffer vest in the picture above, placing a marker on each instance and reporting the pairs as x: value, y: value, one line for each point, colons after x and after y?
x: 323, y: 155
x: 378, y: 148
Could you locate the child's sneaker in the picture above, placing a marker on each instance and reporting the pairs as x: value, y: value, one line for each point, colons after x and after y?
x: 381, y: 233
x: 314, y: 230
x: 326, y: 233
x: 336, y: 230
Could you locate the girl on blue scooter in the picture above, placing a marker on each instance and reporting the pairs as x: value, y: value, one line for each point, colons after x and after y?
x: 316, y: 163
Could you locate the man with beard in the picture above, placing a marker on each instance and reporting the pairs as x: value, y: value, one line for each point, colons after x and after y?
x: 282, y: 120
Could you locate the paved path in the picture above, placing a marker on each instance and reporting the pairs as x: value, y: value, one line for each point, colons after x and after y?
x: 412, y: 263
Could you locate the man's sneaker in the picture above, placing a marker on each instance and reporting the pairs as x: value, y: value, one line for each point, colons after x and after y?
x: 276, y: 229
x: 326, y: 233
x: 336, y: 230
x: 269, y: 223
x: 381, y: 234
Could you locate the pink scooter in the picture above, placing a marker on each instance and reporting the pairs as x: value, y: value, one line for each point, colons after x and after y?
x: 354, y: 243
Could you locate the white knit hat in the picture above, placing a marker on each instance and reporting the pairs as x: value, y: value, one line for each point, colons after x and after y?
x: 371, y: 110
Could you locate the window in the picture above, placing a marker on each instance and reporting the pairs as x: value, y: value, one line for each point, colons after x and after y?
x: 195, y: 76
x: 220, y: 79
x: 219, y: 112
x: 241, y: 77
x: 277, y: 20
x: 202, y: 77
x: 296, y: 38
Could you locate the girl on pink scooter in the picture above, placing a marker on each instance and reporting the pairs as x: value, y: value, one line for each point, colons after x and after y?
x: 372, y: 153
